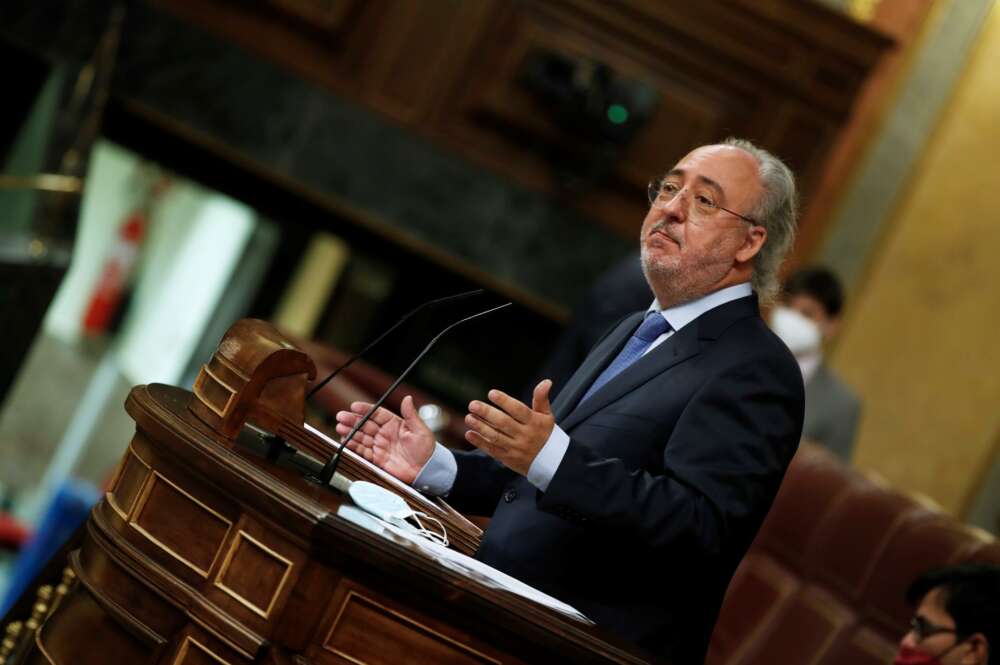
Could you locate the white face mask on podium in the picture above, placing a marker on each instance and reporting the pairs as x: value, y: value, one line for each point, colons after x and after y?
x: 391, y: 508
x: 800, y: 334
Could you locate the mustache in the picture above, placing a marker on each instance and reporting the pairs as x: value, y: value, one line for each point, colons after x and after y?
x: 663, y: 226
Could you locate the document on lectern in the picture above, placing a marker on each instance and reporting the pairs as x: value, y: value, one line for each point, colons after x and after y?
x: 457, y: 561
x: 397, y: 484
x: 464, y: 535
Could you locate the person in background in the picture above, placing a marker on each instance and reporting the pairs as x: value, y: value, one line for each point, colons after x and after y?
x: 957, y: 618
x: 806, y: 320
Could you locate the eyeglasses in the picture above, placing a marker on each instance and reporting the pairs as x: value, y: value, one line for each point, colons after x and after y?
x: 662, y: 192
x: 922, y: 628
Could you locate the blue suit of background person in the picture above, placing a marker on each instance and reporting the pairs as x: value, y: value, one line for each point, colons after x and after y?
x: 671, y: 469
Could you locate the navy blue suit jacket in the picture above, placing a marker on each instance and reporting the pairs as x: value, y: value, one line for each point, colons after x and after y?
x: 671, y: 468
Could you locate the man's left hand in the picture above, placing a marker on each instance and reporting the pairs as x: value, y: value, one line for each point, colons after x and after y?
x: 509, y: 430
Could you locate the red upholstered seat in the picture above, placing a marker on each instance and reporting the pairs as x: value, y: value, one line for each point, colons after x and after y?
x: 861, y: 646
x: 805, y: 629
x: 814, y: 484
x: 759, y: 591
x: 986, y: 552
x: 824, y: 581
x: 919, y: 546
x: 854, y: 534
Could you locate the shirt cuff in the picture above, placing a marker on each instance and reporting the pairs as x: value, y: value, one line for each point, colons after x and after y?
x: 548, y: 459
x: 437, y: 476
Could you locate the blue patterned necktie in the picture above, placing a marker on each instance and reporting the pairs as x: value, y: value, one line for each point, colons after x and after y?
x: 652, y: 327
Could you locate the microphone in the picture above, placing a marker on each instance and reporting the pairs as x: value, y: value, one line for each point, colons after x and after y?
x: 330, y: 467
x: 277, y: 446
x: 427, y: 305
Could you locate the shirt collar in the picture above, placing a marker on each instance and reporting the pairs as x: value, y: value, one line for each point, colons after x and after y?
x: 679, y: 316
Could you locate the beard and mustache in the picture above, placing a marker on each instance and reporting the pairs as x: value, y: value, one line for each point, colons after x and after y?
x: 687, y: 275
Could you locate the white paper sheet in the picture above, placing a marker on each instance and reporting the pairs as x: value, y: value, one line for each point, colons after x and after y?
x: 459, y: 562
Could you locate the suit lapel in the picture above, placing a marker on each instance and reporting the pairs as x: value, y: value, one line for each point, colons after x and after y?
x: 676, y: 349
x: 681, y: 346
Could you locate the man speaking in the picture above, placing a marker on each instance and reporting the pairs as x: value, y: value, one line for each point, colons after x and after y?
x: 636, y: 493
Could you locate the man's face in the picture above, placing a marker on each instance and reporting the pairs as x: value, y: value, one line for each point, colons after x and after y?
x: 944, y: 645
x: 813, y: 310
x: 686, y: 254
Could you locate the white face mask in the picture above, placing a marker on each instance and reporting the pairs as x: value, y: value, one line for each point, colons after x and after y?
x: 800, y: 334
x: 391, y: 508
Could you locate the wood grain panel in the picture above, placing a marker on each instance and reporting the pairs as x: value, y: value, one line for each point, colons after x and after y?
x: 179, y: 524
x: 116, y: 587
x: 213, y: 392
x: 516, y: 131
x: 81, y: 620
x: 802, y: 138
x: 421, y: 43
x: 327, y: 15
x: 253, y: 574
x: 128, y: 483
x: 307, y: 36
x: 193, y: 652
x: 366, y: 631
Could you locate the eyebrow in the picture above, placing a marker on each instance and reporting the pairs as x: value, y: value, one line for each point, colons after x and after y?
x: 700, y: 178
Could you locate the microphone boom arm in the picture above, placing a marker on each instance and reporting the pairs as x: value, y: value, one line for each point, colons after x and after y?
x: 330, y: 467
x: 431, y: 303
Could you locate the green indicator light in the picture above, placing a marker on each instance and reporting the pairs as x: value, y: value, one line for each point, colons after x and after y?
x: 617, y: 114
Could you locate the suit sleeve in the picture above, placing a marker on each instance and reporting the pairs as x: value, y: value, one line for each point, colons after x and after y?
x: 478, y: 484
x: 722, y: 465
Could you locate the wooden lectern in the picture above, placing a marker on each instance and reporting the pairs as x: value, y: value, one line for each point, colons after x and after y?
x: 212, y: 546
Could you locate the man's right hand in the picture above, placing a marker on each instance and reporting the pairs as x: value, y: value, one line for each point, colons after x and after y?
x: 401, y: 446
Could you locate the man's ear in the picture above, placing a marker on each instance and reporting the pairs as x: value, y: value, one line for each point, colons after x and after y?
x: 755, y: 239
x: 977, y: 650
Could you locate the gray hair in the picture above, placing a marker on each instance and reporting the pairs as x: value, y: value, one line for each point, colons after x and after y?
x: 777, y: 212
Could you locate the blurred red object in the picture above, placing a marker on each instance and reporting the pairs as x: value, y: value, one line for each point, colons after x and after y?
x: 114, y: 277
x: 13, y: 534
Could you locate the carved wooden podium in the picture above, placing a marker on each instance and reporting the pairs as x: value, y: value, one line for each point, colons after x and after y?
x: 212, y: 546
